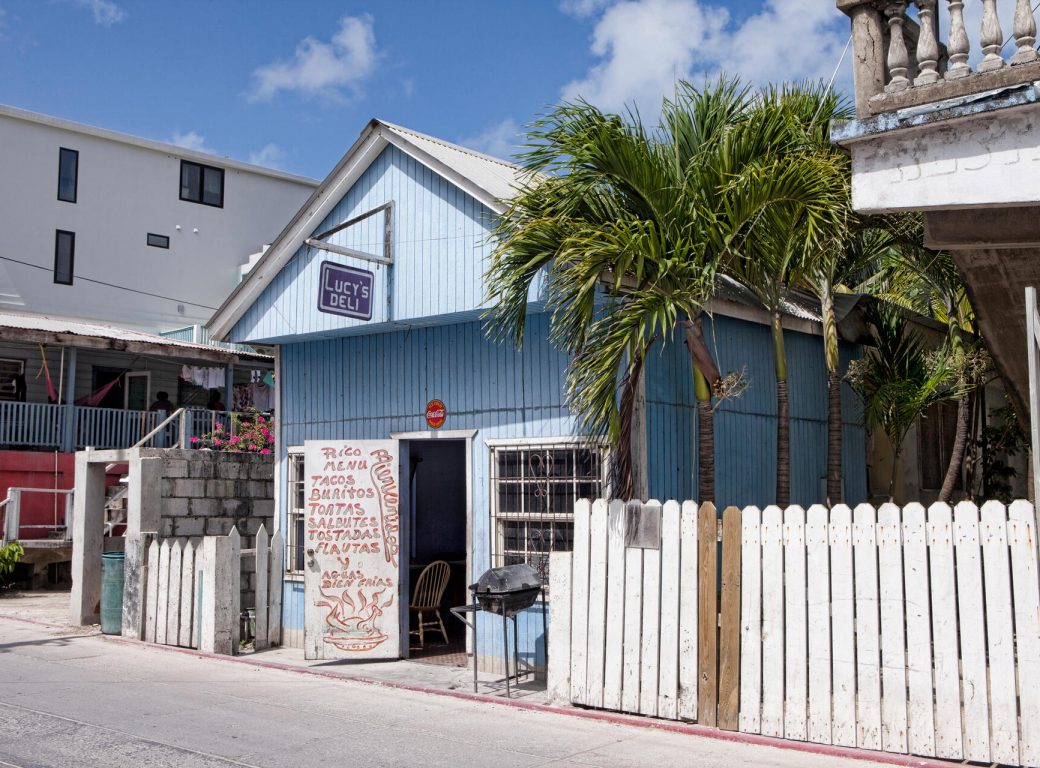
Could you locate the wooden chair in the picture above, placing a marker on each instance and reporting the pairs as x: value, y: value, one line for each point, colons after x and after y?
x: 427, y: 596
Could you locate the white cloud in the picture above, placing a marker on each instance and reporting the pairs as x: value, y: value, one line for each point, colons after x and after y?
x: 192, y: 140
x: 269, y: 156
x: 582, y: 8
x: 105, y: 12
x: 500, y: 140
x: 333, y: 69
x: 643, y: 46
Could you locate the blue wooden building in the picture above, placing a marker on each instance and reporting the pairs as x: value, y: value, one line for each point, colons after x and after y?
x: 496, y: 482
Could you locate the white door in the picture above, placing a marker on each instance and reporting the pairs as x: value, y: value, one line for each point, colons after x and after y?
x: 352, y: 547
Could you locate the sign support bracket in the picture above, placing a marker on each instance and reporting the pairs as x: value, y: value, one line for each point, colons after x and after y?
x: 387, y: 259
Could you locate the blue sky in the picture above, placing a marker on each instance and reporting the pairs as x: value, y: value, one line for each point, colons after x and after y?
x: 291, y: 84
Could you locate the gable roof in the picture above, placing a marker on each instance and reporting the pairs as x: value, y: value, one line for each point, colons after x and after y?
x: 487, y: 179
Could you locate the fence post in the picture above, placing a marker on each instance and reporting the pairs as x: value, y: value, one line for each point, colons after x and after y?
x: 219, y: 585
x: 12, y: 520
x: 183, y: 440
x: 729, y: 632
x: 274, y: 590
x: 558, y: 672
x: 263, y: 558
x: 69, y: 507
x: 135, y: 585
x: 708, y: 618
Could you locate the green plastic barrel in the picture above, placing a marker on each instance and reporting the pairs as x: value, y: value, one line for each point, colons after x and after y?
x: 112, y: 592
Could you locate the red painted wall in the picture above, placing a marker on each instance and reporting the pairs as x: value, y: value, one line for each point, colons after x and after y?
x: 40, y: 469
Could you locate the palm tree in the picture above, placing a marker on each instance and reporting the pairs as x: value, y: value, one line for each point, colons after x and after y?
x: 789, y: 240
x: 624, y: 229
x: 834, y: 269
x: 899, y: 381
x: 927, y: 282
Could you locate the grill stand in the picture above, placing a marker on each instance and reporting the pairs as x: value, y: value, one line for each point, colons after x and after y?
x: 461, y: 611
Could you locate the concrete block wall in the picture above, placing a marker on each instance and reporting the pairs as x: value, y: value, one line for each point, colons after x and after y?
x: 206, y: 493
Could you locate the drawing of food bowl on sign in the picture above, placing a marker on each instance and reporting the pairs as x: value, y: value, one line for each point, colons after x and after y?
x: 352, y: 624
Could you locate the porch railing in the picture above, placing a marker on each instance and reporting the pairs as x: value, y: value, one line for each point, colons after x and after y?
x: 900, y: 60
x: 43, y: 426
x: 11, y: 507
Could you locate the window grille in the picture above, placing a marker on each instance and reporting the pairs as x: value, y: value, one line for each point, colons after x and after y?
x: 533, y: 490
x: 296, y: 507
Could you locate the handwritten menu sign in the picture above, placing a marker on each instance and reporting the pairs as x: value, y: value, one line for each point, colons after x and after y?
x: 351, y: 542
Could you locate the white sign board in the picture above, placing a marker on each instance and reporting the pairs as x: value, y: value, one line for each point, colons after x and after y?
x: 351, y: 542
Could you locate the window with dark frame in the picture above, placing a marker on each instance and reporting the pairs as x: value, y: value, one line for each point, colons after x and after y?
x: 533, y: 490
x: 295, y: 507
x: 64, y: 256
x: 202, y: 184
x: 158, y: 241
x: 68, y: 174
x: 9, y: 368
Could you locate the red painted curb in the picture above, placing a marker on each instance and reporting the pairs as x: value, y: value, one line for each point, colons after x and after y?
x: 690, y: 729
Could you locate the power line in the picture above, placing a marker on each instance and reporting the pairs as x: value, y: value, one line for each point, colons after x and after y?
x: 113, y: 285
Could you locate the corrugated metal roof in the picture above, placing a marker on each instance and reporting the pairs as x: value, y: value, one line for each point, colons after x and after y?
x: 63, y: 325
x: 498, y: 178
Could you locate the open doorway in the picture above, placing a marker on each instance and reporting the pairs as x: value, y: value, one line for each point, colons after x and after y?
x: 438, y: 510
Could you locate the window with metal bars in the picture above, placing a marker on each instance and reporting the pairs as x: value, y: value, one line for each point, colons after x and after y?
x: 295, y: 508
x: 533, y: 490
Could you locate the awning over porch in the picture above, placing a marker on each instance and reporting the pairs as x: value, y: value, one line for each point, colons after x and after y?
x: 84, y: 334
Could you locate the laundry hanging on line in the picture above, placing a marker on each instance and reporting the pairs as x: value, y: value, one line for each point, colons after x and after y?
x: 210, y: 378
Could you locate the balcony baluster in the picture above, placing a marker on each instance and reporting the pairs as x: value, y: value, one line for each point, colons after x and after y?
x: 927, y: 45
x: 898, y: 57
x: 958, y: 45
x: 992, y: 38
x: 1025, y: 34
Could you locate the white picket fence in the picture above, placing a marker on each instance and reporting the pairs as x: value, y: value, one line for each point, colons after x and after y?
x: 192, y: 593
x: 902, y: 629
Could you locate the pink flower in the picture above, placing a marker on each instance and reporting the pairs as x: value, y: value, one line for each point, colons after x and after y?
x: 217, y: 441
x: 194, y: 440
x: 234, y: 440
x: 260, y: 419
x: 253, y: 446
x: 266, y: 450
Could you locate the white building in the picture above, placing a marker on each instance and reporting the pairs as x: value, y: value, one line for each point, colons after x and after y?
x: 104, y: 226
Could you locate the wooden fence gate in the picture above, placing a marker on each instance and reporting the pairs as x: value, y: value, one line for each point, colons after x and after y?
x: 193, y: 595
x: 902, y: 629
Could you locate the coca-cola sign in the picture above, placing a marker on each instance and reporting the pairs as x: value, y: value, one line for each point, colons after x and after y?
x: 436, y: 413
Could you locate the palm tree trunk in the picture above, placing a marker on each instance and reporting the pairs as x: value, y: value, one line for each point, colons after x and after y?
x: 705, y: 377
x: 624, y: 477
x: 960, y: 441
x: 834, y: 425
x: 895, y: 471
x: 705, y: 438
x: 834, y: 430
x: 783, y: 416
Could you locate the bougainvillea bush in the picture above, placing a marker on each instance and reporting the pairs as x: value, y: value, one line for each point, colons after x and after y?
x: 251, y: 432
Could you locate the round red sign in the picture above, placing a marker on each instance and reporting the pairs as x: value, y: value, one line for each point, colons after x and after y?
x: 436, y: 413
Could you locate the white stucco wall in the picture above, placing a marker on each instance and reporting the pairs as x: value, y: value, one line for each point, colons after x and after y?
x: 127, y: 189
x: 991, y: 159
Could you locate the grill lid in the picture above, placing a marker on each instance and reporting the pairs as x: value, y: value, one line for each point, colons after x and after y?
x: 509, y: 578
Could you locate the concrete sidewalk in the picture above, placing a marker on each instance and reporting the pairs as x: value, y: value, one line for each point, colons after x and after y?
x: 86, y: 700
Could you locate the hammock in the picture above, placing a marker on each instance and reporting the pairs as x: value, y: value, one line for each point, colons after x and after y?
x: 52, y: 395
x: 92, y: 399
x: 98, y: 395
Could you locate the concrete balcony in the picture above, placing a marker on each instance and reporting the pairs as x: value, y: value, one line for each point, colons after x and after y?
x: 947, y: 124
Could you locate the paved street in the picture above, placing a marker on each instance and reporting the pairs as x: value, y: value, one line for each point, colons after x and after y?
x: 82, y: 700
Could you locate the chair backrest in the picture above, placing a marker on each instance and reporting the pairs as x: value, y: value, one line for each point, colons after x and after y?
x: 430, y: 586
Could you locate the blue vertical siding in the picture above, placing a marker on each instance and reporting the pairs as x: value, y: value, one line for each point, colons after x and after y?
x: 745, y: 427
x: 358, y: 387
x: 440, y: 243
